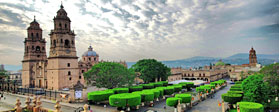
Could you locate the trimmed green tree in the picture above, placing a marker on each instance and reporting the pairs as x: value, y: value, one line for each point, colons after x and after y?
x: 250, y: 107
x: 109, y: 75
x: 125, y: 100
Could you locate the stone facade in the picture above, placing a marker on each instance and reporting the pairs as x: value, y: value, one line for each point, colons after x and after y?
x: 189, y: 74
x: 62, y: 68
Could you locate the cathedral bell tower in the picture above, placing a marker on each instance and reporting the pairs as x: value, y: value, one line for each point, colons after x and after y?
x: 62, y: 67
x: 34, y: 52
x: 252, y: 57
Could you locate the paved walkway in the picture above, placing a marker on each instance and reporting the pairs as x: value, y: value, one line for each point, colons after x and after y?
x: 211, y: 105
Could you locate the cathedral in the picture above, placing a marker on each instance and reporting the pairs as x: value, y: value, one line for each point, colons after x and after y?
x: 61, y: 69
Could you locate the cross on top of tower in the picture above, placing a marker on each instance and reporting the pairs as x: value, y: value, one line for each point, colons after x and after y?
x: 61, y: 6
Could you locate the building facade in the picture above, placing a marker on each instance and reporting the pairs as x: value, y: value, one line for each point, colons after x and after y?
x: 61, y: 69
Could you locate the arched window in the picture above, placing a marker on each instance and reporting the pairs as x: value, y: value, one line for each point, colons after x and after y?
x: 37, y: 35
x: 66, y: 26
x: 94, y: 59
x: 61, y: 40
x: 70, y: 78
x: 33, y: 47
x: 67, y: 43
x: 60, y: 25
x: 54, y: 43
x: 32, y: 35
x: 69, y: 72
x: 89, y: 59
x: 43, y: 48
x: 27, y: 49
x: 38, y: 48
x: 72, y: 42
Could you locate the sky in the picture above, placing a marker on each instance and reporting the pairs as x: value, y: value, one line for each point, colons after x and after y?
x: 131, y: 30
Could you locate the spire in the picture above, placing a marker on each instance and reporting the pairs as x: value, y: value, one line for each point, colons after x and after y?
x: 34, y: 18
x: 61, y: 6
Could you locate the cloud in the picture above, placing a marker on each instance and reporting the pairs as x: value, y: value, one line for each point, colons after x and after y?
x: 162, y: 29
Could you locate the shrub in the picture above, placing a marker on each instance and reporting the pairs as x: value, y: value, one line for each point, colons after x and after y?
x: 161, y: 90
x: 238, y: 82
x: 173, y: 101
x: 165, y: 83
x: 208, y: 88
x: 184, y: 86
x: 98, y: 96
x: 186, y: 98
x: 211, y: 86
x: 155, y: 92
x: 177, y: 88
x: 169, y: 90
x: 135, y: 88
x: 125, y: 99
x: 147, y: 86
x: 235, y: 92
x: 231, y: 98
x: 232, y: 110
x: 200, y: 89
x: 250, y: 107
x: 235, y: 89
x: 146, y: 95
x: 236, y: 86
x: 120, y: 90
x: 158, y: 84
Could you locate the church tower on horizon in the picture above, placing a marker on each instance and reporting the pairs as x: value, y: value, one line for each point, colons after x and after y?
x: 252, y: 57
x: 62, y: 66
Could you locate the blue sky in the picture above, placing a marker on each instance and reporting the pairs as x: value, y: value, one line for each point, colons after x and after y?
x: 135, y: 29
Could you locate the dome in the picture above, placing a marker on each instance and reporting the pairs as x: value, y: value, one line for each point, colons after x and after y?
x: 90, y: 52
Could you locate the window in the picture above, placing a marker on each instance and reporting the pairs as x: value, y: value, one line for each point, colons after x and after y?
x: 31, y: 34
x: 69, y: 64
x: 66, y: 26
x: 61, y: 40
x: 67, y: 43
x: 94, y: 59
x: 27, y: 49
x: 43, y: 48
x: 33, y: 47
x: 37, y: 35
x: 69, y: 73
x: 89, y: 59
x: 192, y: 75
x: 200, y: 74
x: 72, y: 42
x: 79, y: 77
x: 38, y: 48
x: 54, y: 43
x: 70, y: 78
x: 203, y: 74
x: 82, y: 71
x: 38, y: 56
x: 60, y: 25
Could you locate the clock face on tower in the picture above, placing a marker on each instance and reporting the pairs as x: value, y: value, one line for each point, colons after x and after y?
x: 67, y: 51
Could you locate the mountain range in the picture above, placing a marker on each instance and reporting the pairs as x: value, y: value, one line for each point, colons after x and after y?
x: 200, y: 61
